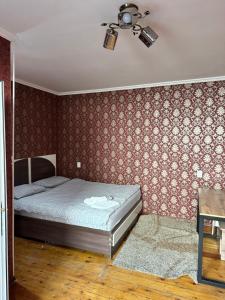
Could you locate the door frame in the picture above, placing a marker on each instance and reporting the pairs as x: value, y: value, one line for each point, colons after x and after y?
x: 4, y: 288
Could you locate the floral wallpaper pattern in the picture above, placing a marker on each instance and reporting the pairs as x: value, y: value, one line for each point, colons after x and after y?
x: 35, y: 122
x: 157, y: 137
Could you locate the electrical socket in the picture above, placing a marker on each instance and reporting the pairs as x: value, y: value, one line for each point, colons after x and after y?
x: 199, y: 173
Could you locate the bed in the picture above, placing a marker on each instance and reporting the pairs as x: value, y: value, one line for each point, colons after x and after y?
x: 59, y: 215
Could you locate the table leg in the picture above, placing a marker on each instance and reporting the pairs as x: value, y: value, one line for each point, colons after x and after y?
x: 198, y: 218
x: 200, y: 245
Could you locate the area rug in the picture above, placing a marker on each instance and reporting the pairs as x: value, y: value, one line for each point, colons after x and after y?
x: 162, y: 246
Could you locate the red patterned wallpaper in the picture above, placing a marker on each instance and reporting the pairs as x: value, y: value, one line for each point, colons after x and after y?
x: 6, y: 77
x: 156, y: 137
x: 35, y: 122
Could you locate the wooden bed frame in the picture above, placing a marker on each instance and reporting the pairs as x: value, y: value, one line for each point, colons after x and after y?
x: 99, y: 241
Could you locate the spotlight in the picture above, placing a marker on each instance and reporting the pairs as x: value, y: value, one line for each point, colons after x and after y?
x: 148, y: 36
x: 110, y: 39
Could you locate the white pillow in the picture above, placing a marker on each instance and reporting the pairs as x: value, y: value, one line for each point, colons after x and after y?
x: 25, y: 190
x: 51, y: 182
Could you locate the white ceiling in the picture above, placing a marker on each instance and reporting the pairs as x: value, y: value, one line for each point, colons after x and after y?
x: 59, y: 43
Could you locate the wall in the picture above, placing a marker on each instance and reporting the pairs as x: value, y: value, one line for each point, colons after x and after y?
x: 157, y: 137
x: 6, y: 77
x: 35, y: 122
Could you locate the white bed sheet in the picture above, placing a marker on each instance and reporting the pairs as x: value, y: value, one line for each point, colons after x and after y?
x: 65, y: 204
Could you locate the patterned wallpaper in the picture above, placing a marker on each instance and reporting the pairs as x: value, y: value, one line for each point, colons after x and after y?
x: 5, y: 76
x: 156, y: 137
x: 35, y: 122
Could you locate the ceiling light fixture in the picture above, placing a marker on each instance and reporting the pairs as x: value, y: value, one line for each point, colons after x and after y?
x: 128, y: 17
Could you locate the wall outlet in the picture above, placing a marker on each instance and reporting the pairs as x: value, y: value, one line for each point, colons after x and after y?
x: 78, y: 164
x: 199, y: 173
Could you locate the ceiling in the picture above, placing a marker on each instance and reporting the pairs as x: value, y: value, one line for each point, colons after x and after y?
x: 59, y: 43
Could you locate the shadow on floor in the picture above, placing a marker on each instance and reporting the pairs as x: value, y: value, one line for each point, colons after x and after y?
x: 21, y: 293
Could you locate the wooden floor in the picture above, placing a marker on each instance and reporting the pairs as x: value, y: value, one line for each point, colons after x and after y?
x: 48, y: 272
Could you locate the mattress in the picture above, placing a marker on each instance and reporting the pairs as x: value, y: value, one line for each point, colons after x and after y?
x: 65, y: 204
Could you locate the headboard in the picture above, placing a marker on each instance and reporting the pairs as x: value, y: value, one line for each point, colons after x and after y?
x: 32, y: 169
x: 21, y: 171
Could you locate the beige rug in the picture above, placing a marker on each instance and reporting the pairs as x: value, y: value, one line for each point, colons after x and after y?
x: 163, y: 246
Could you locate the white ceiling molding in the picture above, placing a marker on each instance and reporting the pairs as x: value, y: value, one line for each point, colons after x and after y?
x: 7, y: 35
x: 141, y: 86
x: 35, y: 86
x: 121, y: 88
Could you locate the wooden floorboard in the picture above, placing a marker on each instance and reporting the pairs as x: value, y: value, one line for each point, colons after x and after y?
x: 49, y: 272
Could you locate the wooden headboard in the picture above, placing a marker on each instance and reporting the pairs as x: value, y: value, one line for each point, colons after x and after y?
x: 21, y: 171
x: 32, y: 169
x: 41, y: 168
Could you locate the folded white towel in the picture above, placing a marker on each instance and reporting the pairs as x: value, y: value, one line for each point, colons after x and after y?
x: 100, y: 202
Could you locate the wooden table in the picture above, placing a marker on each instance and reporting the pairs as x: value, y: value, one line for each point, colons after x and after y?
x: 211, y: 207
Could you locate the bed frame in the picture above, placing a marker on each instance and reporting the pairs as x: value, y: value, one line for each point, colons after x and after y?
x: 99, y: 241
